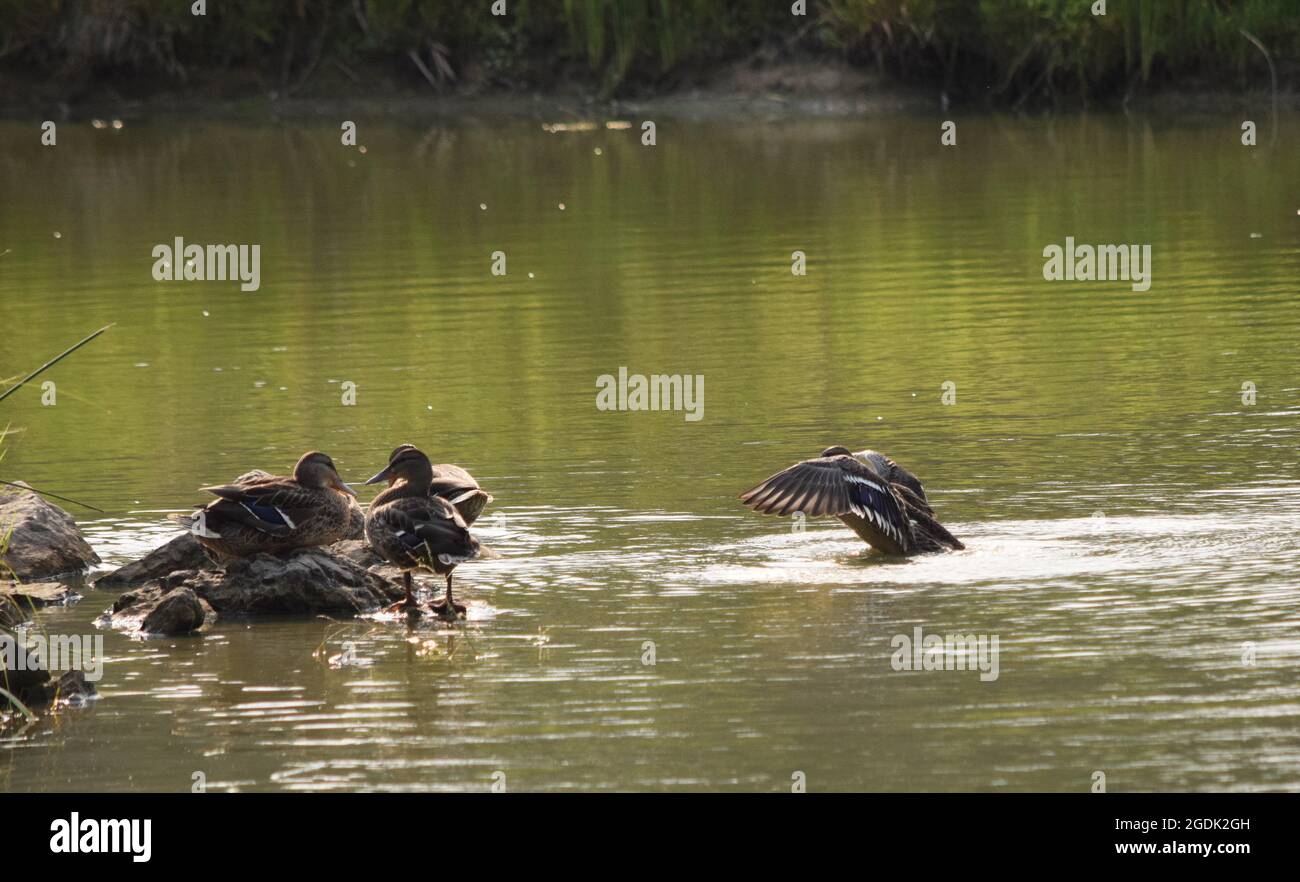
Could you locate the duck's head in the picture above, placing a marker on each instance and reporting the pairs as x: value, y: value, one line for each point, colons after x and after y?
x: 837, y: 451
x: 316, y: 470
x: 399, y: 450
x: 407, y: 462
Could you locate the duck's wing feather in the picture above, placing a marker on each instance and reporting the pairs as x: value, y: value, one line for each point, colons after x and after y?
x: 454, y: 474
x: 267, y: 504
x: 895, y: 473
x: 455, y: 492
x: 454, y: 484
x: 831, y: 485
x: 431, y: 520
x: 910, y: 497
x: 263, y: 518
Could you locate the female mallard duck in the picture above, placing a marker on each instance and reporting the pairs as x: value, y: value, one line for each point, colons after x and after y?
x: 454, y: 484
x: 877, y: 498
x: 274, y: 514
x: 412, y: 528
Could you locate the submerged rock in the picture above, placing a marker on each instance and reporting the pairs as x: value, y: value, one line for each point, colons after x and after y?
x: 24, y: 677
x: 28, y: 594
x: 71, y: 687
x: 302, y: 581
x: 18, y: 600
x: 178, y: 612
x: 45, y: 540
x: 38, y: 690
x: 182, y: 553
x: 20, y: 672
x: 12, y: 613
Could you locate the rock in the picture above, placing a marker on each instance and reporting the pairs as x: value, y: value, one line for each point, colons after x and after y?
x: 303, y: 581
x: 182, y: 553
x: 178, y: 612
x: 128, y: 599
x: 71, y: 687
x: 45, y: 540
x: 306, y: 580
x: 134, y: 608
x: 12, y: 613
x: 185, y: 554
x: 20, y: 672
x: 24, y: 676
x: 28, y: 594
x: 357, y: 551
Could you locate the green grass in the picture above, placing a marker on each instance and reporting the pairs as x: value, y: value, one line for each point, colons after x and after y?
x: 5, y: 694
x: 1025, y: 48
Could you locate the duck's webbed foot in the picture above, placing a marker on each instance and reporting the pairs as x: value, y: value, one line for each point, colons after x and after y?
x: 408, y: 606
x: 448, y: 609
x: 408, y: 603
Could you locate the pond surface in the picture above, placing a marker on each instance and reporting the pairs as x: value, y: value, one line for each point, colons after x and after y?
x: 1131, y: 519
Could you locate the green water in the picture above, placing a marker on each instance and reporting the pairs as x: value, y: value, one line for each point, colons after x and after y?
x: 1131, y: 521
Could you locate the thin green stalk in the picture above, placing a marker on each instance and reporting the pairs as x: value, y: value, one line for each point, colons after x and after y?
x: 51, y: 363
x: 13, y: 699
x: 53, y: 495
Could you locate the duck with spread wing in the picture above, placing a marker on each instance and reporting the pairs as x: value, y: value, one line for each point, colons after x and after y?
x: 874, y: 496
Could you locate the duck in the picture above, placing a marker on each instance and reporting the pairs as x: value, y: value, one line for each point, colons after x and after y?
x: 879, y: 500
x: 356, y: 527
x: 270, y: 513
x: 454, y: 484
x: 413, y: 528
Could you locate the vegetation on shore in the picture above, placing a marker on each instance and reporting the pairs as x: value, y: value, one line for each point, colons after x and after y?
x: 10, y: 611
x: 1005, y: 51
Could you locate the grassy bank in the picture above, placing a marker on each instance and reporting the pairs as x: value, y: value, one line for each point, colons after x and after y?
x: 1007, y: 52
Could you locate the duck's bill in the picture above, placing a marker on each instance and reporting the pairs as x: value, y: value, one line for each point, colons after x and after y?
x: 381, y: 476
x: 344, y: 488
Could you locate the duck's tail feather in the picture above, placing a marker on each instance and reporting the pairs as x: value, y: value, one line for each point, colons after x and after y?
x: 192, y: 523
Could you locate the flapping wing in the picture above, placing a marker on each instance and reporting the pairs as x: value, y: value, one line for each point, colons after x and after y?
x: 895, y: 473
x: 831, y: 485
